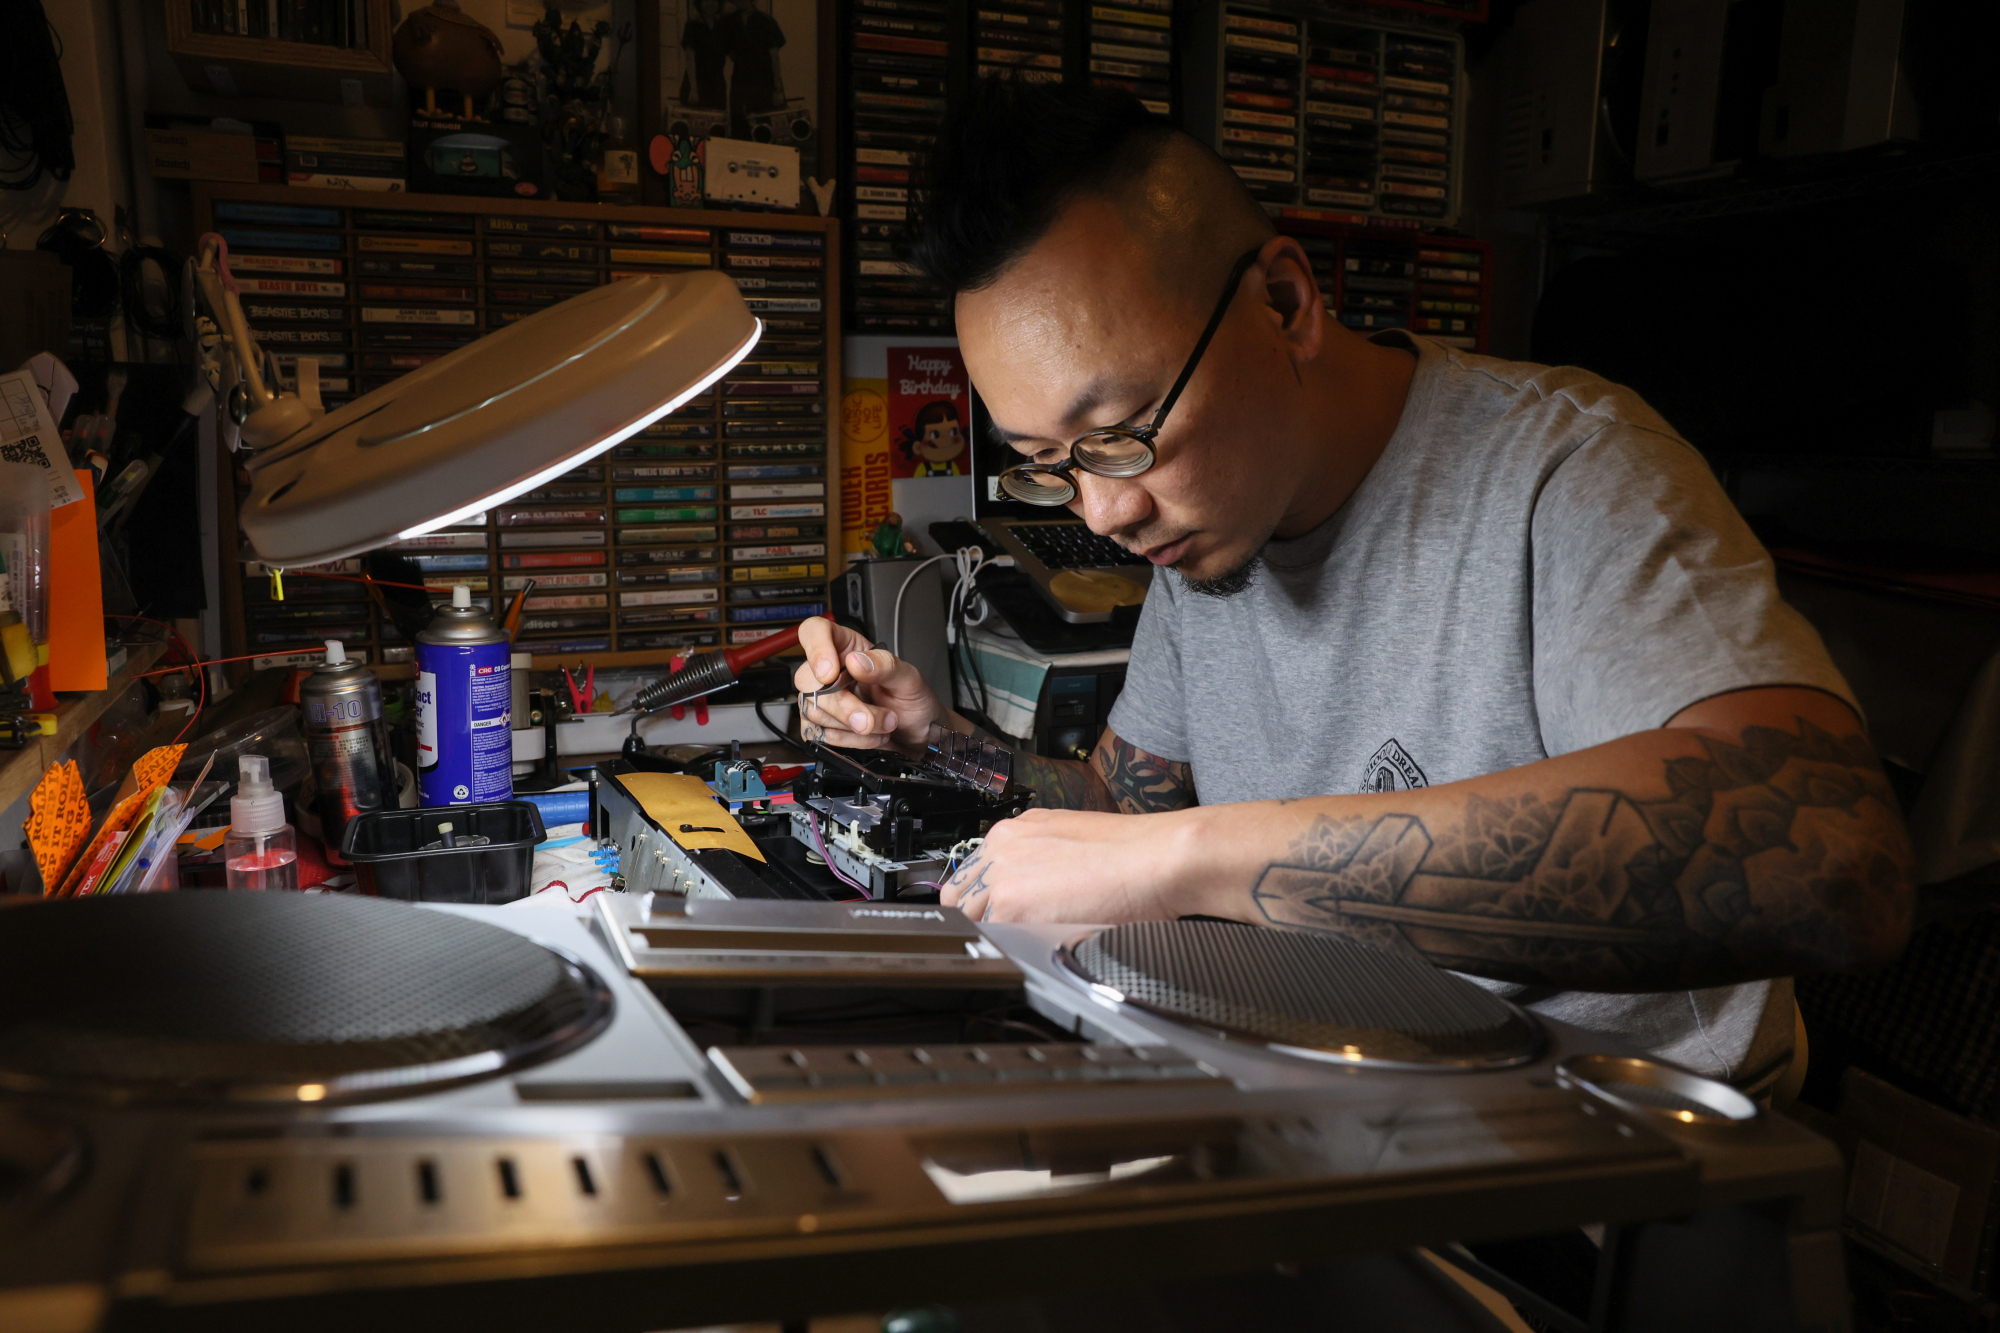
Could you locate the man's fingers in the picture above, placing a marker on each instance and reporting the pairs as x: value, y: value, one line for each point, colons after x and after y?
x: 844, y: 711
x: 872, y: 664
x: 881, y: 668
x: 829, y: 710
x: 824, y: 643
x: 822, y: 664
x: 954, y: 895
x: 848, y: 740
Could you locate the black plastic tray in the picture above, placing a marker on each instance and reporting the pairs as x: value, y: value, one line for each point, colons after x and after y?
x: 387, y: 849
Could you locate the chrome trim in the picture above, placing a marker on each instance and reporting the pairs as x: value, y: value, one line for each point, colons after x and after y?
x: 1727, y: 1107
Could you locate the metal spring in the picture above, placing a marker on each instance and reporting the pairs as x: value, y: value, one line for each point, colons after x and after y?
x: 704, y: 674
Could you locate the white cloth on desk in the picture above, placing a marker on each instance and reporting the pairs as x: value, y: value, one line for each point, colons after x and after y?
x: 1014, y: 674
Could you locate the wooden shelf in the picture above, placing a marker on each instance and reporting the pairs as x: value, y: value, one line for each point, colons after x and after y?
x: 23, y: 768
x: 654, y: 658
x: 269, y: 67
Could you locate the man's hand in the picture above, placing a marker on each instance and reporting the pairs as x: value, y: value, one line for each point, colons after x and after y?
x: 1073, y: 865
x: 889, y: 706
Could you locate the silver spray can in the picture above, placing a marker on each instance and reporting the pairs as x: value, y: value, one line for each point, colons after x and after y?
x: 348, y: 739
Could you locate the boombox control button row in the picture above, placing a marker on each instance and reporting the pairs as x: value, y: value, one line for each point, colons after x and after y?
x: 767, y: 1074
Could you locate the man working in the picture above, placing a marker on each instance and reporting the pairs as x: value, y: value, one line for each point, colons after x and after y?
x: 1465, y: 657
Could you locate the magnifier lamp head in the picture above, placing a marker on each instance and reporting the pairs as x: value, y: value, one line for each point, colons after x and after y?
x: 497, y: 417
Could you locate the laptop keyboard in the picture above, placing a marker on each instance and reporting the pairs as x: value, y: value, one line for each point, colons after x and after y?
x: 1072, y: 546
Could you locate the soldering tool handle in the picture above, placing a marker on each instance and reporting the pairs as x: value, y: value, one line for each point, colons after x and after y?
x: 707, y: 673
x: 751, y: 654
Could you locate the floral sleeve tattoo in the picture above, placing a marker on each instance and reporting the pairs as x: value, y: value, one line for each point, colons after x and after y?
x: 1118, y: 777
x: 1783, y: 852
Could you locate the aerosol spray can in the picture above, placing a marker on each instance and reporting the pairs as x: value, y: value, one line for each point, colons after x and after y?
x: 465, y: 740
x: 348, y: 739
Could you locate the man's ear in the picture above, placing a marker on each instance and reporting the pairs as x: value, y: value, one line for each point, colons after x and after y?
x: 1293, y: 293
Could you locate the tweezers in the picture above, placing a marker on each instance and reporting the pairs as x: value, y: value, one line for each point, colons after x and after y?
x: 809, y: 699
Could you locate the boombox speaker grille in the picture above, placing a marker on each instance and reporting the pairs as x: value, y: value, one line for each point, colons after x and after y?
x: 1316, y: 993
x: 320, y: 997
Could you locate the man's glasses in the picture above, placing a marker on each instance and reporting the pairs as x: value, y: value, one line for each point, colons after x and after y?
x: 1117, y: 451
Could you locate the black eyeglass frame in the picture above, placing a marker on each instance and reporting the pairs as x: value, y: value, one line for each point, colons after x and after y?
x: 1143, y: 435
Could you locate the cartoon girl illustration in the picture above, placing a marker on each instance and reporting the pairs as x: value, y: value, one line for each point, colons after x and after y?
x: 935, y: 441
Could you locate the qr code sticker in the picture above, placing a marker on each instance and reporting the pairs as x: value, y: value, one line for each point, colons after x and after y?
x: 27, y: 449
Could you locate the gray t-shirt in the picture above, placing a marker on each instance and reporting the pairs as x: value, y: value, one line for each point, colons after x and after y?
x: 1536, y: 564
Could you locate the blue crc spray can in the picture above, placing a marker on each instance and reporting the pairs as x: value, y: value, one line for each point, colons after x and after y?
x: 465, y: 737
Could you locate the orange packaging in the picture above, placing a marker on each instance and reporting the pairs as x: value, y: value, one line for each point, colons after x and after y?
x: 76, y: 595
x: 59, y: 822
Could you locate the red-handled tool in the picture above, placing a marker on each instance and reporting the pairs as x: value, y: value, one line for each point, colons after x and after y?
x: 709, y: 672
x: 580, y: 699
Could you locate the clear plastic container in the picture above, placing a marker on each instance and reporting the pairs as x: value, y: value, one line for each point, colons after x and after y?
x: 260, y: 850
x: 24, y: 547
x: 273, y: 734
x: 262, y: 860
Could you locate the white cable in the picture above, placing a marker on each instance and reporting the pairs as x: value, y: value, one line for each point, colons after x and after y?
x: 959, y: 849
x: 969, y: 559
x: 965, y: 593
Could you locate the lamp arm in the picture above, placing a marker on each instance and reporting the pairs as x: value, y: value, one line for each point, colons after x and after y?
x: 218, y: 294
x: 274, y: 417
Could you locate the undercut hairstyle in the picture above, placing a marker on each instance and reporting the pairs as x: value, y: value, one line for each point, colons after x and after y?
x: 1010, y: 157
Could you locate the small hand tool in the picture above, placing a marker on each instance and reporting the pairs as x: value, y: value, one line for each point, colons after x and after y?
x: 809, y: 700
x: 580, y: 701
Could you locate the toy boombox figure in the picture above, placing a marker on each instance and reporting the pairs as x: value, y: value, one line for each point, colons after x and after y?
x: 792, y: 125
x: 695, y: 122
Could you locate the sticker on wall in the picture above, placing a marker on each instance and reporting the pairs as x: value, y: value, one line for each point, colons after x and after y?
x: 929, y: 408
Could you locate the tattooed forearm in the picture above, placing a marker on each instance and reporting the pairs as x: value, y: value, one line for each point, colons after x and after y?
x: 1058, y: 784
x: 1777, y: 854
x: 1062, y: 784
x: 1141, y: 783
x: 1118, y: 777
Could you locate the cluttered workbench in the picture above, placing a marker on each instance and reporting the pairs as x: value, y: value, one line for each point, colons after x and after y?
x: 21, y: 769
x: 571, y: 863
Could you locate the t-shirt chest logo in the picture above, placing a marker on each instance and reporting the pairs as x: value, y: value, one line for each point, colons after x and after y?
x: 1391, y: 769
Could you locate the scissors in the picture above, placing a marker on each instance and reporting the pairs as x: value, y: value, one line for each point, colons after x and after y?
x: 809, y: 700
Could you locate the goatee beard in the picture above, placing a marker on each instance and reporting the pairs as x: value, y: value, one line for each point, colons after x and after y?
x: 1226, y: 584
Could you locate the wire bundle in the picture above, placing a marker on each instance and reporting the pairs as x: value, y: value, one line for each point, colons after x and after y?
x: 967, y: 608
x: 964, y: 596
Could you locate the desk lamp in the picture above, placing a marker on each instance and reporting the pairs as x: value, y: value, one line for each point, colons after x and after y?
x: 479, y: 425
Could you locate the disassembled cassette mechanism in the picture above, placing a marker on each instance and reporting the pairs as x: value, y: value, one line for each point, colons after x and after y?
x: 886, y: 821
x: 974, y: 762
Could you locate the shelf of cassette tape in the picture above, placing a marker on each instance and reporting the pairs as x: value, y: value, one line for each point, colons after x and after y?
x: 1376, y: 278
x: 1334, y: 112
x: 1131, y: 47
x: 706, y: 529
x: 896, y: 71
x: 1125, y: 44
